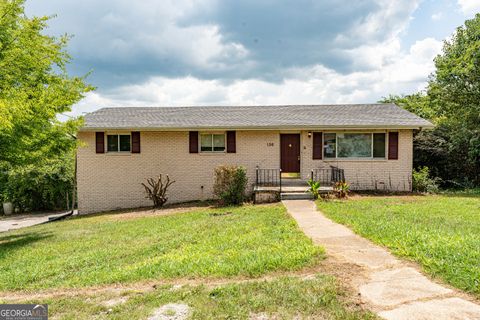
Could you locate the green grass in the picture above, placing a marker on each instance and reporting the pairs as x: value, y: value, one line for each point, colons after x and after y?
x: 107, y: 249
x: 282, y: 298
x: 440, y: 232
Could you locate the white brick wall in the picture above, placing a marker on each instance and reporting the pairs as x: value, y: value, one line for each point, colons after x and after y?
x: 111, y: 181
x: 395, y: 175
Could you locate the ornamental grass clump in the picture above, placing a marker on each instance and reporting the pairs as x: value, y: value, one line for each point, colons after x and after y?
x: 314, y: 188
x: 341, y: 189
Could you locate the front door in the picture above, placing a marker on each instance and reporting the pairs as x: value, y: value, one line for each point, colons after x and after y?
x: 290, y: 152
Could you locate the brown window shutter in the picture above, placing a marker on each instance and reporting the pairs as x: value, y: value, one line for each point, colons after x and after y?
x: 317, y: 145
x: 135, y: 142
x: 193, y: 137
x: 392, y: 145
x: 99, y: 142
x: 231, y: 142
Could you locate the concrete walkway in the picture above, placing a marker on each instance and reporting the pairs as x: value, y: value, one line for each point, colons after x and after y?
x: 392, y: 288
x: 26, y: 220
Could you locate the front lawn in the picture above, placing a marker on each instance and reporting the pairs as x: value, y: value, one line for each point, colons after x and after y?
x: 109, y: 248
x: 284, y: 298
x: 440, y: 232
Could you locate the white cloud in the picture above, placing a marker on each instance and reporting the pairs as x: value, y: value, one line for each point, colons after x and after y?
x: 437, y: 16
x: 405, y: 73
x: 161, y: 54
x: 392, y: 16
x: 375, y: 52
x: 469, y: 7
x: 117, y: 34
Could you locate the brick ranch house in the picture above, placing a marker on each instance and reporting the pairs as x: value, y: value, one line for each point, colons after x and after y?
x: 122, y: 147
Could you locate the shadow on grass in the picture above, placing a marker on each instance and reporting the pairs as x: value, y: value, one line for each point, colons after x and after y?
x: 465, y: 193
x: 10, y: 243
x: 186, y: 205
x: 384, y: 193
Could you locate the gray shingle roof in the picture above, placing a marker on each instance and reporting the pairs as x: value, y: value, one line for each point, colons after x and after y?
x: 263, y: 117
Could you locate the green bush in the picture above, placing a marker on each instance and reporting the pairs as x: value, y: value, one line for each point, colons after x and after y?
x: 230, y: 184
x: 314, y: 188
x: 422, y: 182
x: 40, y: 187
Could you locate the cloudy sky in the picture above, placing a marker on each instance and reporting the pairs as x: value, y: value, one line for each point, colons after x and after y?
x: 220, y: 52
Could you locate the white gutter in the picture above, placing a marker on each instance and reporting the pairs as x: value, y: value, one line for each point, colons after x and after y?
x: 266, y: 128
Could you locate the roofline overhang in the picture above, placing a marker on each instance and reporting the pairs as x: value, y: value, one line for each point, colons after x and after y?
x: 262, y: 128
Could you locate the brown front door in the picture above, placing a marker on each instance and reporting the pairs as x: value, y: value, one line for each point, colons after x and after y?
x: 290, y: 152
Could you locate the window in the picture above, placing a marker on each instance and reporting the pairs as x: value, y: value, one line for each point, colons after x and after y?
x: 118, y: 143
x: 212, y: 142
x: 354, y: 145
x: 329, y: 145
x: 379, y: 145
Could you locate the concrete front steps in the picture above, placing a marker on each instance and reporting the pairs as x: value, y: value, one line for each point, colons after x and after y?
x: 297, y: 189
x: 292, y: 189
x: 296, y: 196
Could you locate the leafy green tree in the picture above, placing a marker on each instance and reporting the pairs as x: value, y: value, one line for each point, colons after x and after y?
x: 418, y: 103
x: 34, y: 89
x: 452, y: 102
x: 455, y: 88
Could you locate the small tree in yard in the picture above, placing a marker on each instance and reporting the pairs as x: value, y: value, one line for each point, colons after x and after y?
x: 157, y: 190
x: 230, y: 184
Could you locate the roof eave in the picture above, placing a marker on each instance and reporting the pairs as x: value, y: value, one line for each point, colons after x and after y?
x: 246, y: 128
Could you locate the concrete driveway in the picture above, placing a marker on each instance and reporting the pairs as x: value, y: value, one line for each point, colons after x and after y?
x: 27, y: 220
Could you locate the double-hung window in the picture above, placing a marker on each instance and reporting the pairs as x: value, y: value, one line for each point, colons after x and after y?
x: 330, y: 145
x: 354, y: 145
x: 212, y: 142
x: 118, y: 143
x: 379, y: 145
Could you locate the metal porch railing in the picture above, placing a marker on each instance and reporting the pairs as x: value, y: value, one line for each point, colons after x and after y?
x: 268, y: 178
x: 328, y: 176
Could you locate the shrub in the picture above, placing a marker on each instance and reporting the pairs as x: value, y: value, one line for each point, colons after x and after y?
x: 422, y: 182
x: 341, y: 189
x: 45, y: 186
x: 314, y: 188
x: 230, y: 184
x: 157, y: 190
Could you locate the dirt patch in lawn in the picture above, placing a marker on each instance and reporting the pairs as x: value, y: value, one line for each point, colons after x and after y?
x: 129, y: 214
x: 171, y: 311
x: 151, y: 212
x: 349, y: 276
x: 145, y: 286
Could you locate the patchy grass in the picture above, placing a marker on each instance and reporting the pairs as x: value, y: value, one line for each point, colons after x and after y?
x: 440, y: 232
x: 104, y: 249
x: 283, y: 298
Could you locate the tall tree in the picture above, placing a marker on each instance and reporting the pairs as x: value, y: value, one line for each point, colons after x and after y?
x: 35, y: 147
x: 455, y: 88
x: 34, y: 89
x: 452, y: 102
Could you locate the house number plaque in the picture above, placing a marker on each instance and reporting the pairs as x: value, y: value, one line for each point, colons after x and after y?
x: 269, y: 144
